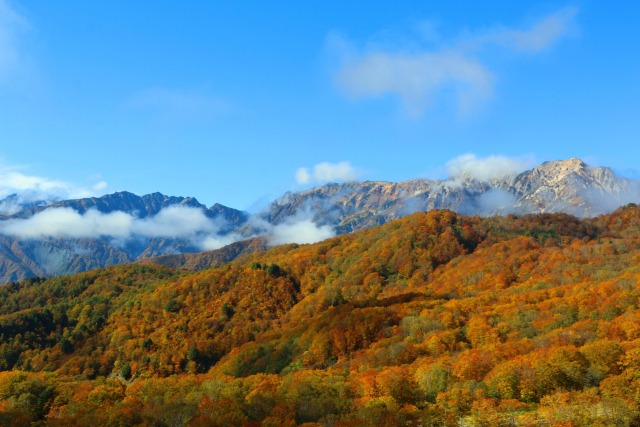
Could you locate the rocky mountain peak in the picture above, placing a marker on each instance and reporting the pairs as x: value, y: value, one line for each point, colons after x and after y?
x: 557, y: 171
x: 574, y: 187
x: 571, y: 173
x: 573, y: 164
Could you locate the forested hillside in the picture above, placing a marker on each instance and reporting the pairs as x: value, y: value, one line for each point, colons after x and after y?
x: 433, y: 319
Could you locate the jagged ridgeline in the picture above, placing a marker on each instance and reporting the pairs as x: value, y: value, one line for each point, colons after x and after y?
x: 432, y: 319
x: 79, y: 245
x: 123, y: 227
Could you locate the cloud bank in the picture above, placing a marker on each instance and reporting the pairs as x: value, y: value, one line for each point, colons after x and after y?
x: 172, y: 222
x: 68, y: 223
x: 457, y: 71
x: 327, y: 172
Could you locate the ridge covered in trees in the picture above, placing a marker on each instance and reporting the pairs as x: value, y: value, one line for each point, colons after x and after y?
x: 433, y: 319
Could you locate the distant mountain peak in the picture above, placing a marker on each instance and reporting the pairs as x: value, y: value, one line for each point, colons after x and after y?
x: 560, y: 170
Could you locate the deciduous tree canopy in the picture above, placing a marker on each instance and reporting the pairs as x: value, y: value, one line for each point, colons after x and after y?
x: 434, y: 319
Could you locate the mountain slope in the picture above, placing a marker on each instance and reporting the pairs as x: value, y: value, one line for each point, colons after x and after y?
x: 207, y: 259
x: 433, y: 319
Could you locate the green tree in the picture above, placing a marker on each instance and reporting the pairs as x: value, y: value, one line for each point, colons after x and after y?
x: 125, y: 371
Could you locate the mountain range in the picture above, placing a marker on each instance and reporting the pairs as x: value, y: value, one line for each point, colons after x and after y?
x: 47, y: 239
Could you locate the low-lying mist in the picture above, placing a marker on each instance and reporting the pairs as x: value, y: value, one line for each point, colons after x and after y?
x: 172, y: 222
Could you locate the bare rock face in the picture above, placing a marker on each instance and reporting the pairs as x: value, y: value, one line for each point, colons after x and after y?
x: 569, y: 186
x: 350, y: 206
x: 573, y: 187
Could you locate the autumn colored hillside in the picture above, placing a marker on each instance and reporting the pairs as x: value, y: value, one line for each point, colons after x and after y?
x: 433, y: 319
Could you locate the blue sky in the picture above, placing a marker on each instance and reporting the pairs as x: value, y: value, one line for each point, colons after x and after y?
x: 238, y: 102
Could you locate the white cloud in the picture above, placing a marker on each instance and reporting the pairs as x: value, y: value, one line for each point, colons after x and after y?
x: 487, y: 168
x: 457, y: 71
x: 68, y: 223
x: 174, y: 221
x: 212, y: 242
x: 303, y: 231
x: 303, y: 176
x: 328, y: 172
x: 496, y: 201
x: 16, y: 182
x: 171, y: 222
x: 542, y: 34
x: 11, y: 24
x: 31, y: 188
x: 299, y: 228
x: 99, y: 186
x: 417, y: 78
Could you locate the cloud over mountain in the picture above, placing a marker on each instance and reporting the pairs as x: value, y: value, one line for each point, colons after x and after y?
x: 171, y: 222
x: 31, y: 188
x: 327, y: 172
x: 299, y: 231
x: 487, y: 168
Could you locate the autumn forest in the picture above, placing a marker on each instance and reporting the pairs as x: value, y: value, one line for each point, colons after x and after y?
x: 434, y: 319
